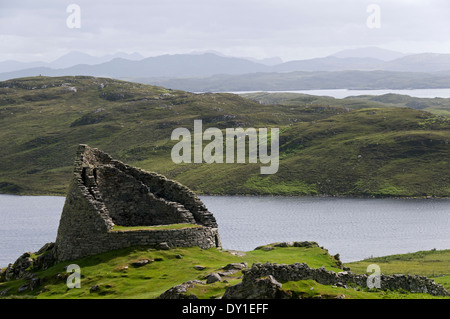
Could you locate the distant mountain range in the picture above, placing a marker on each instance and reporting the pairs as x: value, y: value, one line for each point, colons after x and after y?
x: 207, y: 64
x: 68, y: 60
x: 370, y: 52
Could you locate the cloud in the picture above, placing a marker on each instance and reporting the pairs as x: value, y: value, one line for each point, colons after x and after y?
x: 287, y: 28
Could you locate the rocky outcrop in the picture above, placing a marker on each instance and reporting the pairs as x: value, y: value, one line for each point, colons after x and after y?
x: 260, y: 288
x: 22, y: 267
x: 272, y: 274
x: 181, y: 291
x: 105, y: 192
x: 304, y: 244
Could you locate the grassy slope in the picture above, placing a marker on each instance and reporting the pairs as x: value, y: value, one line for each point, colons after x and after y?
x: 109, y: 271
x: 333, y: 147
x: 433, y: 264
x: 439, y: 106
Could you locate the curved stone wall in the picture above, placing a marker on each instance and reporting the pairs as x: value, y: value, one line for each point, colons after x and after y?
x: 106, y: 192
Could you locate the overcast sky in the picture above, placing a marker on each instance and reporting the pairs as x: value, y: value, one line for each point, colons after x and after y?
x: 291, y: 29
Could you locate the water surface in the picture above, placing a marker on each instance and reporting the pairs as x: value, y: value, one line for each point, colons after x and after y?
x: 354, y: 228
x: 27, y: 223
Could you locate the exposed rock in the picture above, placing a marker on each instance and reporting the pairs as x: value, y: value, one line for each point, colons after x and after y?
x: 261, y: 288
x: 20, y: 267
x: 285, y: 244
x: 305, y: 244
x: 163, y: 246
x: 236, y: 266
x: 46, y: 257
x: 233, y: 268
x: 94, y: 288
x: 214, y: 277
x: 71, y: 89
x: 199, y: 267
x: 338, y: 261
x: 46, y: 248
x: 44, y: 261
x: 140, y: 263
x: 34, y: 283
x: 8, y: 274
x: 4, y: 292
x: 23, y: 288
x: 227, y: 273
x: 178, y: 257
x: 180, y: 291
x: 340, y: 284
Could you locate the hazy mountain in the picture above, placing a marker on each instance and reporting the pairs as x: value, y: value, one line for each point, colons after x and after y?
x: 211, y: 64
x: 424, y: 62
x: 370, y: 52
x: 266, y: 61
x: 74, y: 58
x: 330, y: 64
x: 68, y: 60
x: 178, y: 65
x: 11, y: 65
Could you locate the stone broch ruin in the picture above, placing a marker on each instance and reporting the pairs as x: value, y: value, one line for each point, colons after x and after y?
x: 105, y: 193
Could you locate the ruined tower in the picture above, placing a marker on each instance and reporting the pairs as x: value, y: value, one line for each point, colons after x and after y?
x: 105, y: 193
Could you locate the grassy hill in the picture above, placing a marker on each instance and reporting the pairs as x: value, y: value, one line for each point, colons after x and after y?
x: 359, y: 147
x: 113, y: 275
x: 438, y: 106
x: 434, y: 264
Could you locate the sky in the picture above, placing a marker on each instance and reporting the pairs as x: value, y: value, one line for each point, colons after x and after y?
x: 36, y: 30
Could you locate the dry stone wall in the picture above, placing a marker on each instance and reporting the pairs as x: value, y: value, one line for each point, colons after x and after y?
x: 106, y: 192
x: 261, y: 281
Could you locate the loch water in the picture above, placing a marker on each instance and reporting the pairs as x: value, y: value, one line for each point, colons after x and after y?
x: 355, y: 228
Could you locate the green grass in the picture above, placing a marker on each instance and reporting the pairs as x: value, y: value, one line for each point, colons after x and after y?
x: 434, y: 264
x: 157, y: 227
x: 116, y: 277
x: 312, y: 289
x: 438, y: 106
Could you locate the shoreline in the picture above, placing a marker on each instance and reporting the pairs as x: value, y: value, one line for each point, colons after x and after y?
x: 428, y: 197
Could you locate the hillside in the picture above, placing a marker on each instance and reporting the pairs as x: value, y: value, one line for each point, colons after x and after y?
x: 367, y: 148
x: 121, y: 274
x: 439, y: 106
